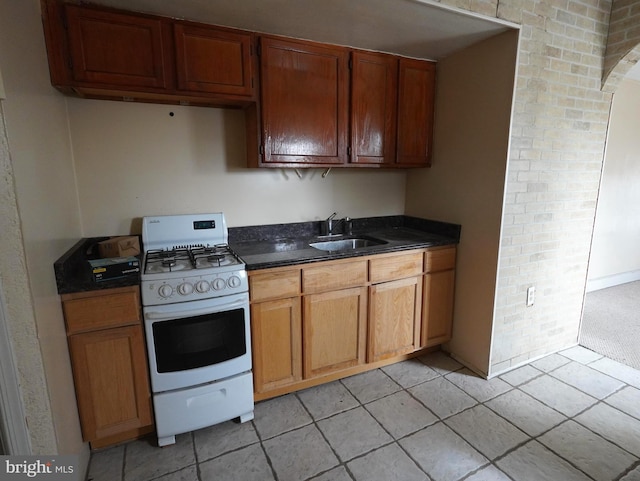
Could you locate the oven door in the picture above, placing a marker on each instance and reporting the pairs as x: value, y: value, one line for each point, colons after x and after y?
x: 197, y: 342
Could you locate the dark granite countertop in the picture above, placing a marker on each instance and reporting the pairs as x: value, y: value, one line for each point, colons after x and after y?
x: 275, y: 245
x: 73, y: 273
x: 279, y: 245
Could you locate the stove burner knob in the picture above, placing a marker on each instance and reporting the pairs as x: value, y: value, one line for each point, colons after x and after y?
x: 234, y: 281
x: 202, y: 287
x: 219, y: 284
x: 185, y: 289
x: 165, y: 290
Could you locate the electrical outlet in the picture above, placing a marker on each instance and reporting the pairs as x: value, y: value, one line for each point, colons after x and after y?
x: 531, y: 296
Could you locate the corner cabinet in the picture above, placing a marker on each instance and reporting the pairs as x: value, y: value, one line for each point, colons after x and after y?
x: 108, y: 358
x: 326, y: 320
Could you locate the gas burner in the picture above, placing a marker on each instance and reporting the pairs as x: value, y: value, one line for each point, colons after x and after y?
x: 168, y: 262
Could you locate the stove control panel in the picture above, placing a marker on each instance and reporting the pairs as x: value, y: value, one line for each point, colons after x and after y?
x: 173, y: 290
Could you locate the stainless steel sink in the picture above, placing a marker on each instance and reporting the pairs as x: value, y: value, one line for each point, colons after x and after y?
x: 346, y: 244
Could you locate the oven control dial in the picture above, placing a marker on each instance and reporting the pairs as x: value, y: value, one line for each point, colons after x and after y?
x: 234, y: 281
x: 165, y: 290
x: 202, y: 286
x: 218, y: 284
x: 185, y: 288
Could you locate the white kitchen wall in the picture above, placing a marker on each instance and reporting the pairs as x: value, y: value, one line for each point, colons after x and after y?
x: 137, y: 159
x: 615, y: 256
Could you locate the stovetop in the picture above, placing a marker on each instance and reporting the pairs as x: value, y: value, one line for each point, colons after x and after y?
x: 187, y: 258
x: 183, y: 259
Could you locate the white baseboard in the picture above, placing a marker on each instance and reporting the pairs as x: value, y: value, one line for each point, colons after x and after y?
x: 614, y: 280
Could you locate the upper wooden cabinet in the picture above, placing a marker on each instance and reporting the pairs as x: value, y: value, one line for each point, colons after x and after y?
x: 304, y: 93
x: 307, y: 104
x: 103, y: 53
x: 327, y: 106
x: 374, y: 90
x: 116, y: 49
x: 416, y: 91
x: 213, y: 60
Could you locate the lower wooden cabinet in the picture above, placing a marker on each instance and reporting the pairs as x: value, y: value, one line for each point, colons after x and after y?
x: 334, y: 332
x: 276, y: 336
x: 439, y: 283
x: 394, y: 318
x: 322, y: 321
x: 109, y: 364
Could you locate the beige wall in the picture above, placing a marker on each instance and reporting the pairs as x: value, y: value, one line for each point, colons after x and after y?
x: 466, y: 182
x: 134, y: 160
x: 615, y: 252
x: 38, y: 179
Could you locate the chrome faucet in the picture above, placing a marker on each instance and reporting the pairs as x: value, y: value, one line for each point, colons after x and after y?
x: 326, y: 228
x: 328, y: 225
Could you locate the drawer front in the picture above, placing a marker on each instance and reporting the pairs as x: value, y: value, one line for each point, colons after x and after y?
x: 334, y: 276
x: 440, y: 260
x: 387, y: 268
x: 274, y: 285
x: 102, y: 311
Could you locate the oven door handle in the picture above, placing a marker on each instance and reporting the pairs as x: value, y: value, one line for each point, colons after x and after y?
x: 165, y: 316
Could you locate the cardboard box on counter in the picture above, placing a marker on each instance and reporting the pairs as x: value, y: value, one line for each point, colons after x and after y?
x: 114, y: 268
x: 123, y: 246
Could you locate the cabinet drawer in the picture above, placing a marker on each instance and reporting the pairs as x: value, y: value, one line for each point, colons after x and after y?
x: 440, y: 259
x: 274, y: 285
x: 397, y: 266
x: 101, y: 311
x: 334, y: 276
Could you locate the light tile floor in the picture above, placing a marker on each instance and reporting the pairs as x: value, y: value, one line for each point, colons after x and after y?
x: 574, y: 415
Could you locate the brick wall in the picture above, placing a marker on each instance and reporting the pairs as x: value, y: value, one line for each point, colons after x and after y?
x: 557, y: 145
x: 623, y: 42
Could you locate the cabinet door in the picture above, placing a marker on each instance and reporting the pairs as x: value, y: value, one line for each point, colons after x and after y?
x: 112, y: 384
x: 304, y: 92
x: 437, y: 307
x: 394, y: 318
x: 334, y: 330
x: 117, y: 50
x: 416, y: 88
x: 374, y: 85
x: 213, y: 60
x: 276, y: 331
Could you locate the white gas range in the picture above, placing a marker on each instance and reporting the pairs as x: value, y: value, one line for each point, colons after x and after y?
x: 196, y: 312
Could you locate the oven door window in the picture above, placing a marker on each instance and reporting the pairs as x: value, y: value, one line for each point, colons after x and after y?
x: 199, y: 341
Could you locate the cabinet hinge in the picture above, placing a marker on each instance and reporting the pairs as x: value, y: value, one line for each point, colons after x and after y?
x: 351, y: 64
x: 261, y: 149
x: 259, y: 49
x: 349, y: 151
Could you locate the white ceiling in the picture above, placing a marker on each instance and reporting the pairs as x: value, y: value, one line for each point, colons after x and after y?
x: 415, y: 28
